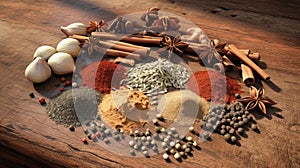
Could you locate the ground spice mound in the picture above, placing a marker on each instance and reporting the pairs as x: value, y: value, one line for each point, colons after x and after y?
x: 73, y: 106
x: 182, y: 106
x: 215, y: 87
x: 124, y: 109
x: 103, y: 75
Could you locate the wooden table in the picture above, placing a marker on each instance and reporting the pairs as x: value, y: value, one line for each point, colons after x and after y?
x: 29, y: 139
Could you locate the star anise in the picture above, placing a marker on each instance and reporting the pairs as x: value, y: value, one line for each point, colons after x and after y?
x: 209, y: 52
x: 117, y: 25
x: 92, y: 45
x: 173, y: 45
x: 257, y: 98
x: 96, y: 26
x: 150, y: 16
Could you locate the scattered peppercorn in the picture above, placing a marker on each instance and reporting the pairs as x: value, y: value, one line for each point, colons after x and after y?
x: 61, y: 89
x: 72, y: 128
x: 31, y: 95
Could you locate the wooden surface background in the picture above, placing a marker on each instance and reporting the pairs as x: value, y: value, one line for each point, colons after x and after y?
x: 272, y: 28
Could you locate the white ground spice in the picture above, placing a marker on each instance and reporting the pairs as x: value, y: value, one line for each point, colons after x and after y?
x: 182, y: 106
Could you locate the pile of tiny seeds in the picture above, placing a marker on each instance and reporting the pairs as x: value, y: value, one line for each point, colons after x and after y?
x: 229, y: 121
x: 155, y: 77
x: 62, y: 109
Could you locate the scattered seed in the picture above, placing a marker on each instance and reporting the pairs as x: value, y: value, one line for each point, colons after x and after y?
x: 233, y: 138
x: 165, y: 156
x: 189, y: 138
x: 191, y: 129
x: 187, y: 150
x: 176, y: 155
x: 227, y: 136
x: 254, y: 127
x: 177, y: 145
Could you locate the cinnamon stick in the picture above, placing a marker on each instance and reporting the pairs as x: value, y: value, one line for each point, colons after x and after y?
x: 142, y: 52
x: 128, y: 44
x: 248, y: 61
x: 247, y: 75
x: 123, y: 54
x: 79, y: 37
x: 245, y: 51
x: 129, y: 39
x: 254, y: 56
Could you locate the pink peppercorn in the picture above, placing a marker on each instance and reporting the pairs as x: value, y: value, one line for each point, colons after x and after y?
x: 68, y: 83
x: 61, y: 89
x: 42, y: 100
x: 62, y: 79
x: 84, y: 140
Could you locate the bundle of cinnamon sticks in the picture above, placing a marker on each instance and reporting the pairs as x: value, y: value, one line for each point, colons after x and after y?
x: 124, y: 50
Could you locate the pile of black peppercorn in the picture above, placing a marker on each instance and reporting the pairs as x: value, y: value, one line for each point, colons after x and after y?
x: 231, y: 121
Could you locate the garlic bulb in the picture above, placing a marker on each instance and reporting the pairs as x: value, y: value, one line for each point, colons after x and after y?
x: 74, y: 28
x: 61, y: 63
x: 38, y: 71
x: 44, y: 52
x: 70, y: 46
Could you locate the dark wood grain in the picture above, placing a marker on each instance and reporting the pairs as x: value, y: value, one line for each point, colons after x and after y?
x: 272, y: 28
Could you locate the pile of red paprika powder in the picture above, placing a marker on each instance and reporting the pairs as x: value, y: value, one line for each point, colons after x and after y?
x: 103, y: 75
x: 215, y: 87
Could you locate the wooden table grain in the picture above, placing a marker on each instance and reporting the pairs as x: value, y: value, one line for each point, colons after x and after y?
x: 28, y: 138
